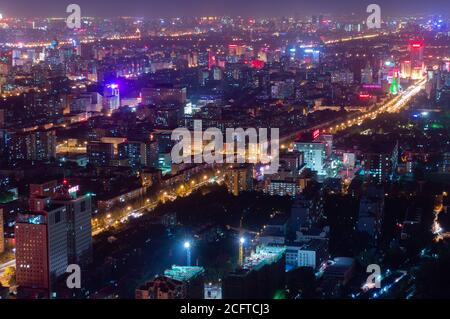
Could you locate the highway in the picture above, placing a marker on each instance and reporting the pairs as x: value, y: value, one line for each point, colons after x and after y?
x: 332, y: 127
x: 151, y: 205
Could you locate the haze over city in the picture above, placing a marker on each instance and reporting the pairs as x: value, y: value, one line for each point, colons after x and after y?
x: 252, y: 8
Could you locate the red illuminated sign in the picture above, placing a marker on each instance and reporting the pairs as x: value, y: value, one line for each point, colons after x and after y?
x: 257, y: 64
x: 316, y: 134
x: 416, y: 45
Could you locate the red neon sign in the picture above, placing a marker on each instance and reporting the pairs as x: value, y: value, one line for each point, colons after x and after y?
x: 316, y: 134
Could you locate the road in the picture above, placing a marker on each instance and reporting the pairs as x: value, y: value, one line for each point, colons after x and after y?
x: 151, y: 205
x: 332, y: 127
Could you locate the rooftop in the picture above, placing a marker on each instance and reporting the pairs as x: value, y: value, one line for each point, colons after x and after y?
x: 264, y: 255
x: 183, y: 273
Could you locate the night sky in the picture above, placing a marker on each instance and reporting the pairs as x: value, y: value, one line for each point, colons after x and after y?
x: 172, y: 8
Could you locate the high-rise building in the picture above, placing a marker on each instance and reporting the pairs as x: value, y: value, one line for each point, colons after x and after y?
x: 111, y: 97
x: 79, y: 228
x: 55, y: 233
x: 417, y: 63
x: 239, y: 179
x: 134, y: 152
x: 100, y: 153
x: 41, y: 248
x: 379, y: 161
x: 78, y: 215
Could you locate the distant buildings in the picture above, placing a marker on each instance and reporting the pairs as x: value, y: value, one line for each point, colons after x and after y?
x: 179, y: 282
x: 163, y: 95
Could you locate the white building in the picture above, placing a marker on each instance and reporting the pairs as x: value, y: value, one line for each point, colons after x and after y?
x: 314, y: 155
x: 311, y: 254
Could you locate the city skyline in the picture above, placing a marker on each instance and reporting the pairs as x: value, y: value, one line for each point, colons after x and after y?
x: 219, y: 155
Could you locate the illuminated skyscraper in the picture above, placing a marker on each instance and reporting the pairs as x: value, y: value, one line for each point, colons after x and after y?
x: 111, y: 97
x: 417, y: 63
x: 394, y: 84
x: 41, y: 249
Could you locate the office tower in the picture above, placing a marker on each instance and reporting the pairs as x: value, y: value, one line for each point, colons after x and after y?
x: 379, y: 161
x: 134, y: 152
x: 416, y: 56
x: 100, y: 153
x: 79, y: 228
x: 41, y: 249
x: 179, y: 282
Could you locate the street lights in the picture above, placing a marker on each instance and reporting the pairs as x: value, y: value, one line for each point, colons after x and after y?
x: 187, y: 246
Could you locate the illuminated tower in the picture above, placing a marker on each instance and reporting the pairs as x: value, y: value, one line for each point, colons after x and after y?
x: 394, y: 84
x: 417, y: 63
